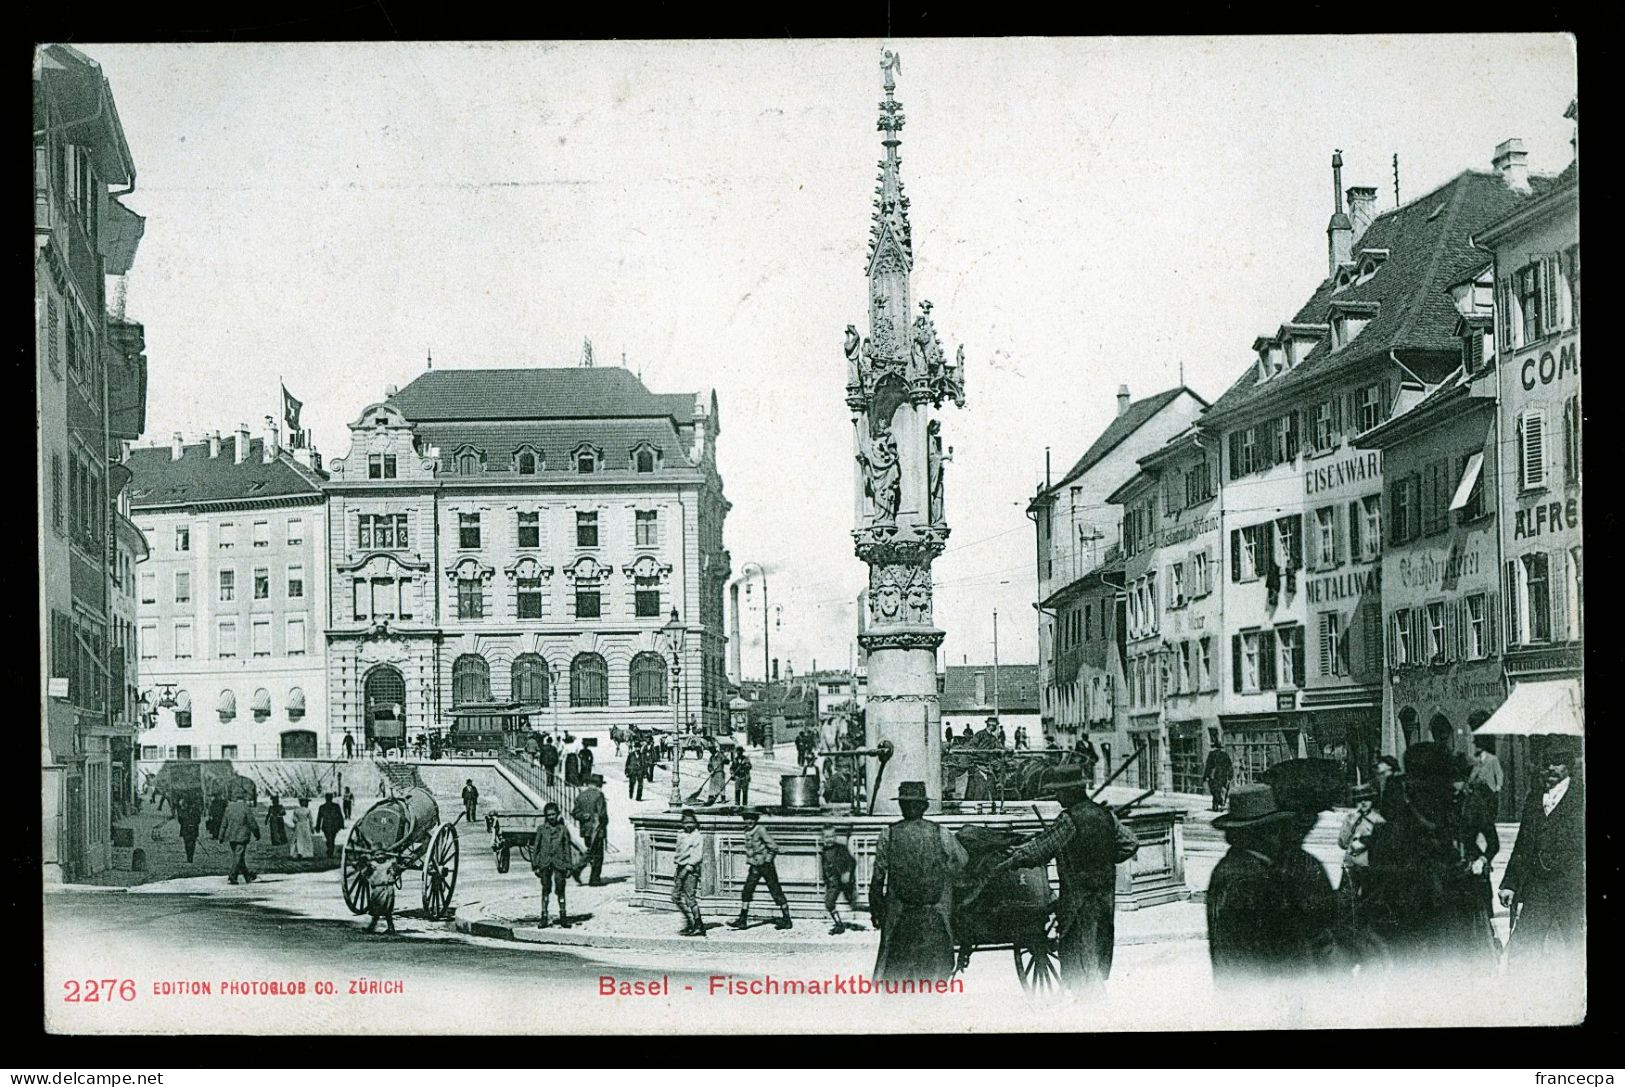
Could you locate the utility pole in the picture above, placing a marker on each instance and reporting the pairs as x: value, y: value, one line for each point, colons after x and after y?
x: 996, y: 664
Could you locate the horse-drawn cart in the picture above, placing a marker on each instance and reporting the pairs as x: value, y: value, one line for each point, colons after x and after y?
x: 407, y: 828
x: 512, y: 830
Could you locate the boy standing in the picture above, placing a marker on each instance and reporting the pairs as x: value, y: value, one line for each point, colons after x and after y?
x: 760, y: 849
x: 840, y: 875
x: 686, y: 886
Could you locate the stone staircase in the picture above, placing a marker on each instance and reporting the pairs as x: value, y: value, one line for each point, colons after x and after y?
x: 402, y: 777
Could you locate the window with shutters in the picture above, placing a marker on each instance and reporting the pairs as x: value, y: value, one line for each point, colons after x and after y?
x: 1289, y: 655
x: 226, y: 639
x: 1537, y: 597
x: 1204, y: 660
x: 1365, y: 528
x: 1571, y: 440
x: 1326, y: 538
x: 1475, y: 626
x: 183, y: 641
x: 56, y: 493
x: 1333, y: 646
x: 1577, y: 597
x: 1176, y: 585
x: 1201, y: 574
x: 1571, y: 275
x: 529, y: 529
x: 1287, y: 545
x: 1325, y: 433
x: 1531, y: 449
x: 1373, y: 410
x: 1435, y: 633
x: 1249, y: 450
x: 1401, y: 652
x: 1526, y: 284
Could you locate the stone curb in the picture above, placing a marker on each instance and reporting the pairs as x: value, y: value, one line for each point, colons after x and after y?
x: 501, y: 929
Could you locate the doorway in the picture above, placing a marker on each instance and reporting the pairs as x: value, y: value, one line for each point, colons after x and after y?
x: 385, y: 695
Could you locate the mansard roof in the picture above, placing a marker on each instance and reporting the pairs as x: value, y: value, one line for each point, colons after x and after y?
x: 570, y: 392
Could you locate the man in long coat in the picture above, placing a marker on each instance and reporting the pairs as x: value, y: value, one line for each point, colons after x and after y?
x: 1219, y: 772
x: 911, y: 892
x: 1247, y: 895
x: 591, y: 813
x: 1545, y: 879
x: 550, y: 758
x: 1087, y: 842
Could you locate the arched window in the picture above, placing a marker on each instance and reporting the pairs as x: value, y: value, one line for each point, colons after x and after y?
x: 530, y: 683
x: 227, y: 705
x: 586, y: 464
x: 262, y: 704
x: 648, y: 680
x: 525, y: 461
x: 589, y: 680
x: 468, y: 461
x: 296, y: 704
x: 470, y: 679
x: 1440, y: 730
x: 183, y: 710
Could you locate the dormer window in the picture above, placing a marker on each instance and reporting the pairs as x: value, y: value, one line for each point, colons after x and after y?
x: 1348, y: 320
x: 526, y: 462
x: 469, y: 461
x: 644, y: 459
x: 587, y: 459
x: 381, y: 466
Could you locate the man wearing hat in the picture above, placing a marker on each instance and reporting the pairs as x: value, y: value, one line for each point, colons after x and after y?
x: 1219, y: 771
x: 1415, y: 858
x: 591, y: 813
x: 760, y: 850
x: 1246, y: 896
x: 1545, y: 879
x: 1355, y: 840
x: 1087, y: 842
x: 911, y: 892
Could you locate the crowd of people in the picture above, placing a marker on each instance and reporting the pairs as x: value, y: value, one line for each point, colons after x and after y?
x: 1416, y: 880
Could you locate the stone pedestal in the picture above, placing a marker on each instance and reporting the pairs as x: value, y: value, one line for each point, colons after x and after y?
x: 903, y: 708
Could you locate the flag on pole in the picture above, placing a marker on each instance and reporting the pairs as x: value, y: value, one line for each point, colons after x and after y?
x: 290, y: 410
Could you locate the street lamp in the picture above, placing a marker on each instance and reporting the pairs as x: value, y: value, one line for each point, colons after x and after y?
x: 676, y: 637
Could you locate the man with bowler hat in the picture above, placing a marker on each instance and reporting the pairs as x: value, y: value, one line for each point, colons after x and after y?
x: 911, y: 892
x: 1246, y: 896
x: 1219, y: 771
x: 1087, y: 842
x: 1545, y: 879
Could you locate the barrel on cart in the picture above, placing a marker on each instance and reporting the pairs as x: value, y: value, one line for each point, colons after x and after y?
x: 408, y: 829
x: 1011, y: 910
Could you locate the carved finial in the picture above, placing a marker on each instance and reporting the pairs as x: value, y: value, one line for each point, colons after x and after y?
x: 890, y: 62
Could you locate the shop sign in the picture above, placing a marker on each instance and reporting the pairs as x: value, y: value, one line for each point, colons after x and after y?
x: 1180, y: 533
x: 1342, y: 586
x: 1546, y: 517
x: 1286, y: 701
x: 1547, y: 367
x: 1427, y: 570
x: 1364, y: 468
x: 1477, y: 683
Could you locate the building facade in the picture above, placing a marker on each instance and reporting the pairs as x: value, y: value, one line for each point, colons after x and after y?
x: 1078, y: 533
x: 1302, y: 503
x: 1173, y: 610
x: 90, y: 389
x: 232, y: 600
x: 1536, y: 250
x: 550, y: 538
x: 971, y: 693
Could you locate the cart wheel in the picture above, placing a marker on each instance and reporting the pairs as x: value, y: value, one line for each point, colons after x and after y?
x: 524, y: 853
x: 440, y: 872
x: 1038, y: 963
x: 502, y: 861
x: 353, y: 877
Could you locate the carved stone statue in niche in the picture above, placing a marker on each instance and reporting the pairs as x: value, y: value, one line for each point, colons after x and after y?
x: 854, y: 372
x: 935, y: 458
x: 882, y: 475
x: 918, y: 597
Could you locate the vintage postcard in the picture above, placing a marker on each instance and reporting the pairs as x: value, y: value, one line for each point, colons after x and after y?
x: 810, y: 536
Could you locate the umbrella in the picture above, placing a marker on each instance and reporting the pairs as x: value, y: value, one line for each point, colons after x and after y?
x: 1544, y: 708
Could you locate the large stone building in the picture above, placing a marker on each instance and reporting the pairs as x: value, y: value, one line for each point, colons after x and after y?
x: 1301, y: 503
x: 233, y: 600
x: 1078, y: 532
x: 971, y: 693
x: 530, y: 537
x: 90, y: 388
x: 1536, y: 249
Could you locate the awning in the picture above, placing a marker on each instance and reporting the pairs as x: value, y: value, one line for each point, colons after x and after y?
x: 1545, y: 708
x: 1469, y: 478
x: 183, y: 702
x: 262, y: 703
x: 296, y: 702
x: 121, y: 231
x: 227, y: 705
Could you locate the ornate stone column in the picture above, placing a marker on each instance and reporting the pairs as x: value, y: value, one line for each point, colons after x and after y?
x: 895, y: 381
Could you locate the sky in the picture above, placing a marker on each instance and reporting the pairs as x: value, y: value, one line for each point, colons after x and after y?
x: 1086, y: 213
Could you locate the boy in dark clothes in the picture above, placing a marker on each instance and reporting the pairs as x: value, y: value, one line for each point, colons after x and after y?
x: 840, y: 870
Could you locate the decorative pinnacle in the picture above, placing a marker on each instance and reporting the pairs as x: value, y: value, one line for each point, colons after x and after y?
x: 891, y: 206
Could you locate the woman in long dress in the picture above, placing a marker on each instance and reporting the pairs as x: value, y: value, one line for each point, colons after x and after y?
x: 276, y: 817
x: 304, y: 846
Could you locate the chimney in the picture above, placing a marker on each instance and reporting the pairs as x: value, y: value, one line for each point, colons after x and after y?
x: 1511, y: 161
x: 176, y: 448
x: 214, y: 443
x: 734, y: 641
x: 1122, y: 399
x: 273, y: 445
x: 242, y: 442
x: 1339, y: 232
x: 391, y: 390
x: 1362, y: 209
x: 775, y: 669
